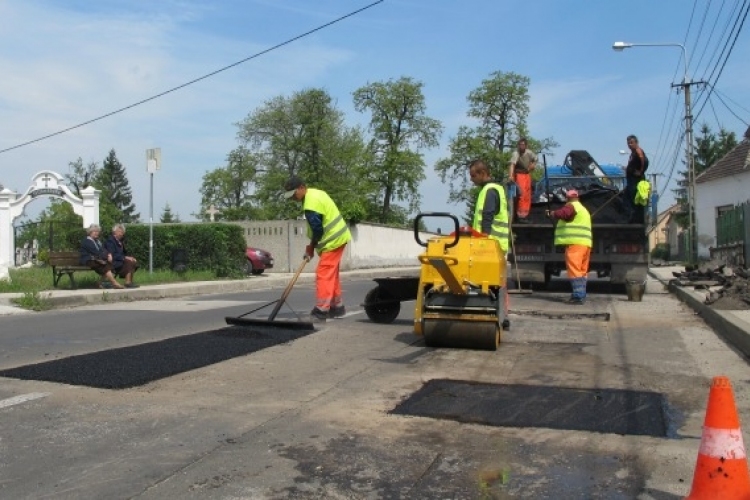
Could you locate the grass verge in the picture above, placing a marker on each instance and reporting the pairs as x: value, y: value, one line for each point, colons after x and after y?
x: 34, y: 280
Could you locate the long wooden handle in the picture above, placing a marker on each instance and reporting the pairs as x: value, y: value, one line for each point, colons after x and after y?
x: 288, y: 289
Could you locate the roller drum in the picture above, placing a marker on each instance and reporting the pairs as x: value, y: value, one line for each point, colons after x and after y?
x: 461, y: 333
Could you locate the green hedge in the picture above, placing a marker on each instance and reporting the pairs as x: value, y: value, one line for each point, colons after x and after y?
x: 213, y: 247
x: 660, y: 251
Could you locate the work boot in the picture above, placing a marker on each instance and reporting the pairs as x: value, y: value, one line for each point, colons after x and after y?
x: 337, y: 312
x: 318, y: 315
x: 576, y: 301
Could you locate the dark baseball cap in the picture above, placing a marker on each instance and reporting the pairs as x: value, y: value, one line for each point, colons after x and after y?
x: 291, y: 186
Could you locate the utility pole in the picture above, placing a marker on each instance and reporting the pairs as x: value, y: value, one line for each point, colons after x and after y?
x: 654, y: 197
x: 692, y: 236
x: 686, y: 83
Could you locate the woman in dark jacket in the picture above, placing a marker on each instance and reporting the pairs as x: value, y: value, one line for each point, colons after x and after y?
x: 124, y: 265
x: 94, y: 255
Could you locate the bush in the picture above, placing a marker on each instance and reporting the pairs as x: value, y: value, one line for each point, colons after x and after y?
x: 216, y: 247
x: 660, y: 251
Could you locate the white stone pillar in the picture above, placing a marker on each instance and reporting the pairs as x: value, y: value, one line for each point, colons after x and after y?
x: 90, y: 197
x: 7, y: 236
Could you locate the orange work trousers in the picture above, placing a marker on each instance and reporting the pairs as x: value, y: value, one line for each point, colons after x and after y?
x: 577, y: 259
x: 328, y: 280
x: 523, y: 207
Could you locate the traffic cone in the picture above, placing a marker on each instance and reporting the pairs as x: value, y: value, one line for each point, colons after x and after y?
x: 721, y: 470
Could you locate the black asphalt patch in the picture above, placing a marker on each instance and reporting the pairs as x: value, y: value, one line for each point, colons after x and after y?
x: 611, y: 411
x: 140, y: 364
x: 604, y: 316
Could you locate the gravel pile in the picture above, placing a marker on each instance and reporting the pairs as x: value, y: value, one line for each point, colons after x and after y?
x: 726, y: 287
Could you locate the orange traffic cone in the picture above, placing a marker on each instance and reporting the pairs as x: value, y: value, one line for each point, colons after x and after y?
x: 721, y: 470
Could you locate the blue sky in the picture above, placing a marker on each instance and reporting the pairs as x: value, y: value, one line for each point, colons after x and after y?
x: 66, y: 62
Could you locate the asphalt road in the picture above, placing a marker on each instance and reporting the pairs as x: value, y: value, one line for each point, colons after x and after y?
x: 314, y: 417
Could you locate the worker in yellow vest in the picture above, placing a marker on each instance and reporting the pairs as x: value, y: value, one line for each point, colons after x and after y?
x: 491, y: 210
x: 328, y: 235
x: 573, y: 230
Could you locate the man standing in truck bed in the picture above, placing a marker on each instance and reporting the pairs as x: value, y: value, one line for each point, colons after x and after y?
x: 522, y: 163
x: 634, y: 173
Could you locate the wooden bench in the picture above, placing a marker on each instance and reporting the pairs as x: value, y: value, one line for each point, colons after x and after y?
x: 65, y: 263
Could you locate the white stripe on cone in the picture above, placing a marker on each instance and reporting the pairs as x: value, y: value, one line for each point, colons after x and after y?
x: 722, y: 443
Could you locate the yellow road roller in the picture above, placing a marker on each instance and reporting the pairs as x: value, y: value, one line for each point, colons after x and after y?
x: 462, y: 298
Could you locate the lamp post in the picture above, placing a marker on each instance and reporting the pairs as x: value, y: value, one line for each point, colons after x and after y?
x: 686, y: 83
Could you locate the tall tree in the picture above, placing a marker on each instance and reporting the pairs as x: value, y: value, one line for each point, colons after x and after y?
x: 229, y: 188
x: 79, y: 177
x: 707, y: 150
x: 167, y: 216
x: 113, y: 182
x: 305, y: 135
x: 401, y: 130
x: 500, y: 106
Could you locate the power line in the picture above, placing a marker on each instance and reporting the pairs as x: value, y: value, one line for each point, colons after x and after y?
x: 196, y: 80
x: 718, y: 96
x: 721, y: 70
x: 722, y: 94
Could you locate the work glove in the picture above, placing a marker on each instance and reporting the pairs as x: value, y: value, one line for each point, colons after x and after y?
x: 309, y: 252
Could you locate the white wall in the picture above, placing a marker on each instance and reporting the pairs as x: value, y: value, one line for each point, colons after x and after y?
x: 710, y: 195
x: 372, y: 245
x: 382, y: 246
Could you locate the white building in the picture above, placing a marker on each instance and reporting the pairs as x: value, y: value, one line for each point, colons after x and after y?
x: 719, y: 188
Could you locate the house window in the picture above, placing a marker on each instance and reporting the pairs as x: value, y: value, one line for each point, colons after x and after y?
x: 724, y: 209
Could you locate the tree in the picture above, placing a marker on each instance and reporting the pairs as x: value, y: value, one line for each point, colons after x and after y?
x: 167, y: 216
x: 80, y: 177
x: 400, y: 129
x: 113, y: 182
x: 229, y: 188
x: 707, y: 150
x: 305, y: 135
x: 500, y: 105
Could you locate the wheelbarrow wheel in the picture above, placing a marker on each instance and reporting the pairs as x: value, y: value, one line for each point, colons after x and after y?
x: 380, y: 306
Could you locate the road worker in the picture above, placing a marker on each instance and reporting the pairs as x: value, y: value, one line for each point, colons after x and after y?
x: 328, y: 235
x: 522, y: 163
x: 573, y: 230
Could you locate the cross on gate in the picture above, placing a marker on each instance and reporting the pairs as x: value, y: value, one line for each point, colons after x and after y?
x: 46, y: 178
x: 212, y: 211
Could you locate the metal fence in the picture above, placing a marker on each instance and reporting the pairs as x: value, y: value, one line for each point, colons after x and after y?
x: 732, y: 234
x: 33, y: 237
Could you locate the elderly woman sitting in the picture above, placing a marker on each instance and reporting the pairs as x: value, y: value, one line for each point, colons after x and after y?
x: 94, y: 255
x: 123, y: 264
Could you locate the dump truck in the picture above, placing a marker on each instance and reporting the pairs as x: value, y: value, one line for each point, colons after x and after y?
x: 620, y: 242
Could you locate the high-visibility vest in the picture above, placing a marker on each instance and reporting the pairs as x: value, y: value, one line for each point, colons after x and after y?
x: 335, y: 230
x: 642, y: 190
x: 577, y: 231
x: 499, y: 229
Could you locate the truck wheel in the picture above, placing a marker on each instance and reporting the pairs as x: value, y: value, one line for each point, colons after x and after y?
x: 547, y: 278
x: 380, y: 306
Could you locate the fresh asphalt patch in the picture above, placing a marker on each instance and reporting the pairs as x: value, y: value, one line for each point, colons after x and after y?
x: 612, y: 411
x: 140, y: 364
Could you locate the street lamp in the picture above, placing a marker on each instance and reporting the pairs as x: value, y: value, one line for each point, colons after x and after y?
x: 686, y: 83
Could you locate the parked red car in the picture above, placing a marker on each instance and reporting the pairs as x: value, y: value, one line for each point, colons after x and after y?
x: 258, y: 260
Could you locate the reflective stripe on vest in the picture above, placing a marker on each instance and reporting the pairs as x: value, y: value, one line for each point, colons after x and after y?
x: 335, y: 230
x: 577, y: 231
x: 499, y: 228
